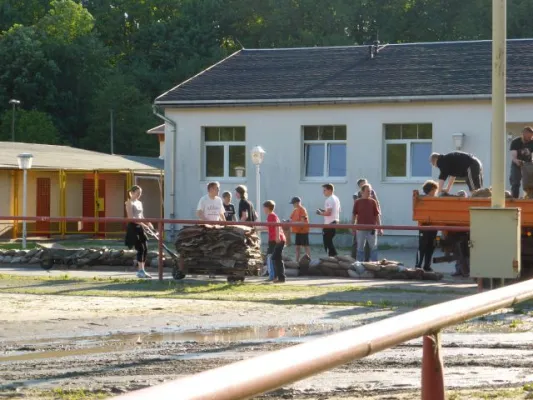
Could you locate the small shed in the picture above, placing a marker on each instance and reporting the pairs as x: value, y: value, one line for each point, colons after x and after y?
x: 72, y: 182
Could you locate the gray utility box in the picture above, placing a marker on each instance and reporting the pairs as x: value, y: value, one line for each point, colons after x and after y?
x: 495, y: 242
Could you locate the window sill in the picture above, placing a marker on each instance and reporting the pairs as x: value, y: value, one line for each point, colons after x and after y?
x: 406, y: 180
x: 323, y: 180
x: 224, y: 180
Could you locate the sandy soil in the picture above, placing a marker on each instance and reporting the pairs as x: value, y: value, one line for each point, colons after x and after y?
x: 106, y: 346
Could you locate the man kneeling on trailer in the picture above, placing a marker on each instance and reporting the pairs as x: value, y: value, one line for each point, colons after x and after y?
x: 426, y: 239
x: 458, y: 164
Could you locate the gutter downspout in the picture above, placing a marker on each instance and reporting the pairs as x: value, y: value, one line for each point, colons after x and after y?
x: 172, y: 165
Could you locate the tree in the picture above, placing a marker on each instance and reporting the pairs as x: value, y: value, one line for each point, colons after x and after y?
x: 30, y: 127
x: 66, y: 21
x: 132, y: 118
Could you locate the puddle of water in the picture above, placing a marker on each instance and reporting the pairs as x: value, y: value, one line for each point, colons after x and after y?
x: 122, y: 342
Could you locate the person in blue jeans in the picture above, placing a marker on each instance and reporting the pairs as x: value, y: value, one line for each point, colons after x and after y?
x: 366, y: 212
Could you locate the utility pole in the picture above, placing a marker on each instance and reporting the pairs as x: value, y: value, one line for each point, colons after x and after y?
x: 499, y: 138
x: 112, y: 131
x: 14, y: 103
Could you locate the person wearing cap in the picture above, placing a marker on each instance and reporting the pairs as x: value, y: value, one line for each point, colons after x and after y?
x: 357, y: 196
x: 299, y: 214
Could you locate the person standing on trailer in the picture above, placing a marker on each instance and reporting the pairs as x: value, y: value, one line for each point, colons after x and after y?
x: 299, y: 214
x: 521, y: 149
x: 135, y: 235
x: 458, y: 164
x: 331, y: 214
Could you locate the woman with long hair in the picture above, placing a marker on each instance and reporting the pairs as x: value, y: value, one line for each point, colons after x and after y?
x: 135, y: 235
x: 246, y: 210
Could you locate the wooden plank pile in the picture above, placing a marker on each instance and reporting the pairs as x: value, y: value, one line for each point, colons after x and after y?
x: 347, y: 267
x: 220, y: 249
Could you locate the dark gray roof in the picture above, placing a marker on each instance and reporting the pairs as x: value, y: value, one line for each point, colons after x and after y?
x: 316, y: 74
x: 150, y: 162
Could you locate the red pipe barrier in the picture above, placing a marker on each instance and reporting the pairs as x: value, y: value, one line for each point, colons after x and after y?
x: 248, y: 223
x: 432, y: 369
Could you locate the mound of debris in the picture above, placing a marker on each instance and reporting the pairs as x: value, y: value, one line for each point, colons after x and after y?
x: 78, y: 258
x: 487, y: 192
x: 347, y: 267
x: 220, y: 249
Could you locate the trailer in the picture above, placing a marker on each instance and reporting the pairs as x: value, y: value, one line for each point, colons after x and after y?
x: 455, y: 211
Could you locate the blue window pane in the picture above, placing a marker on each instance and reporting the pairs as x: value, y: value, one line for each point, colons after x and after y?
x: 337, y: 159
x: 314, y: 160
x: 420, y: 166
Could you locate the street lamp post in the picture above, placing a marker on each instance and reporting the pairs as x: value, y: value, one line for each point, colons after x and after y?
x: 258, y: 155
x: 14, y: 103
x: 24, y: 162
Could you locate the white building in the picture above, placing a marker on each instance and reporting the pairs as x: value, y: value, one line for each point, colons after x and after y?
x: 334, y: 115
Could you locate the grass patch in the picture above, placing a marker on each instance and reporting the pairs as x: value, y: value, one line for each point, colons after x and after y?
x: 17, y: 246
x: 287, y: 294
x: 63, y: 394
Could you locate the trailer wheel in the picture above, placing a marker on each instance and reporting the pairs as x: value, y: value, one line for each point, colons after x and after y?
x: 47, y: 264
x: 177, y: 274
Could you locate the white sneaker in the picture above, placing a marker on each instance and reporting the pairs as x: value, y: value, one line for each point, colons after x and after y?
x: 142, y: 274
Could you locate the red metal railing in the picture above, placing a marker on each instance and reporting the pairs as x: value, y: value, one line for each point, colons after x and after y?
x: 162, y: 221
x: 248, y: 378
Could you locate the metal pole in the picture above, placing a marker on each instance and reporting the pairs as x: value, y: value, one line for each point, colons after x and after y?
x: 13, y: 124
x: 432, y: 369
x: 499, y: 142
x: 160, y: 251
x: 258, y: 191
x: 24, y: 201
x: 112, y: 132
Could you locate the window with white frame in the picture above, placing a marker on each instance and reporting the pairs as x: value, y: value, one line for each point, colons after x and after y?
x: 324, y: 151
x: 407, y: 150
x: 224, y: 152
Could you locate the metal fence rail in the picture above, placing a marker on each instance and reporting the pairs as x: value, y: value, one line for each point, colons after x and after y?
x: 160, y: 223
x: 245, y: 379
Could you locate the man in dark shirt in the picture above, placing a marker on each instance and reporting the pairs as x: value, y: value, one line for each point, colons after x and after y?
x: 366, y: 212
x: 458, y: 164
x: 356, y: 196
x: 521, y: 148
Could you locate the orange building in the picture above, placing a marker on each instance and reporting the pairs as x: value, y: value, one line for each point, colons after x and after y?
x: 72, y: 182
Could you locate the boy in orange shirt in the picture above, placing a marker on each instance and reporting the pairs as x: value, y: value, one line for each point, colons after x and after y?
x: 299, y: 214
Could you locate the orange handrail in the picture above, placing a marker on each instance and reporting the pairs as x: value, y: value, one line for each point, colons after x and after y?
x: 248, y: 378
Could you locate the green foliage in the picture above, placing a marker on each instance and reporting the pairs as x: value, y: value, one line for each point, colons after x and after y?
x: 30, y: 127
x: 74, y: 60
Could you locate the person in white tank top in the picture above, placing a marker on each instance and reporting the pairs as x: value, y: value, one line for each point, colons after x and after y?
x: 135, y: 235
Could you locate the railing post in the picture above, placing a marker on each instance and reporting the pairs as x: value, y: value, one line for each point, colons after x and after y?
x: 160, y: 249
x: 432, y: 368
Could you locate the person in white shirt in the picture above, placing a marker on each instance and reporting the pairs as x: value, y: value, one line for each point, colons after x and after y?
x: 210, y: 207
x: 331, y: 214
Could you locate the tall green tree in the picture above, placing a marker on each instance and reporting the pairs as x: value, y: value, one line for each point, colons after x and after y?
x: 30, y: 127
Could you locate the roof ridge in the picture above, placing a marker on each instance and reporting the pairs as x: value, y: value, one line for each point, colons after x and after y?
x: 199, y: 73
x: 437, y: 43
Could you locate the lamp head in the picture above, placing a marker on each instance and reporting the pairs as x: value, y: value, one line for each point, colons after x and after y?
x: 258, y: 155
x: 25, y: 160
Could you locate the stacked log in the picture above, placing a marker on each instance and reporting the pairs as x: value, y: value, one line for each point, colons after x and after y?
x: 346, y: 266
x: 220, y: 249
x: 79, y: 258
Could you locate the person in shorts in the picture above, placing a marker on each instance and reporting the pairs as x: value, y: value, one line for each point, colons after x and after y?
x: 299, y: 214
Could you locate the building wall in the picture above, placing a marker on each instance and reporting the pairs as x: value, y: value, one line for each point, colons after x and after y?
x: 5, y: 201
x: 279, y: 131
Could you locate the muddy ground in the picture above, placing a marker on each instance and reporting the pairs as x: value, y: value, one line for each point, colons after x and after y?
x: 61, y: 345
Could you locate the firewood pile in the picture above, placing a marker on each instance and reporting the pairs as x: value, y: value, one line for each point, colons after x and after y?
x: 220, y: 249
x: 347, y: 267
x: 79, y: 258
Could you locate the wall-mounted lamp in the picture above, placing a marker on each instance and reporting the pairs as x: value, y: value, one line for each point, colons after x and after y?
x: 458, y: 139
